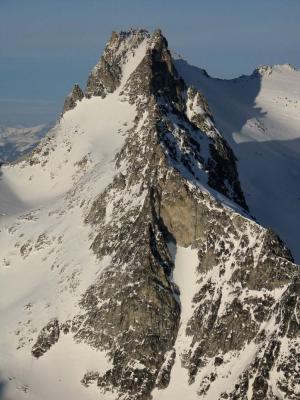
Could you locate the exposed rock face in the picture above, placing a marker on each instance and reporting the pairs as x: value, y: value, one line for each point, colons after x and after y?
x: 71, y: 100
x: 48, y: 336
x: 172, y: 175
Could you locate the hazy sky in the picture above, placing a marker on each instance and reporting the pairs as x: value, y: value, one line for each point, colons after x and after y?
x: 47, y: 45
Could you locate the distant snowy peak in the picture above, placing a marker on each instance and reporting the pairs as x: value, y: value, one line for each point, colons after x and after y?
x: 175, y: 55
x: 266, y: 70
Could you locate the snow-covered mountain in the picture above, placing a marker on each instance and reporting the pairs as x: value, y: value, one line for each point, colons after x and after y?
x: 131, y: 267
x: 16, y: 141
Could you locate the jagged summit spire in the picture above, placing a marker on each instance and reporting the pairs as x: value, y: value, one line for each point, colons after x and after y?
x: 138, y: 67
x: 106, y: 76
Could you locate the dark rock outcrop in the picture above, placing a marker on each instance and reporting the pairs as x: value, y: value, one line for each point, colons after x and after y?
x: 48, y: 336
x: 72, y: 98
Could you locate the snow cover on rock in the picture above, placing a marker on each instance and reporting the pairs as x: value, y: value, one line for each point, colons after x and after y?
x: 259, y: 115
x: 130, y: 268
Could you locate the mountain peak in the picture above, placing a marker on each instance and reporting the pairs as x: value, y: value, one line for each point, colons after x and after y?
x: 139, y: 68
x: 108, y: 73
x: 106, y: 76
x: 128, y: 256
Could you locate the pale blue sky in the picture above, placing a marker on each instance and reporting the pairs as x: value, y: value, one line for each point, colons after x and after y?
x: 47, y: 45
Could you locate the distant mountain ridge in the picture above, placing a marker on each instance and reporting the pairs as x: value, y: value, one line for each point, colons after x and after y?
x: 16, y: 141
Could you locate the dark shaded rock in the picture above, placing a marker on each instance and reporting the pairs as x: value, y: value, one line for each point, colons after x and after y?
x: 48, y: 336
x: 71, y: 100
x: 89, y: 378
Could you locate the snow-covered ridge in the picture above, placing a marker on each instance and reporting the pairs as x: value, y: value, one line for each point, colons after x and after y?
x: 262, y: 70
x: 259, y: 115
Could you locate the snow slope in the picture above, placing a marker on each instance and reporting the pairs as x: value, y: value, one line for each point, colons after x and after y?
x: 259, y: 115
x: 185, y: 276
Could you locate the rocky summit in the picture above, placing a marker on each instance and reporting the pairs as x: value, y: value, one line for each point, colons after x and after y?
x: 132, y: 266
